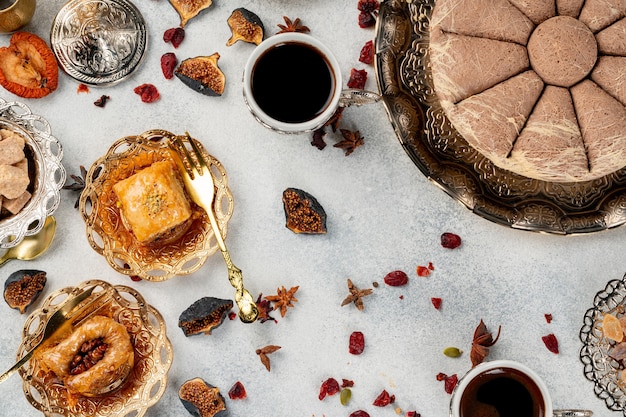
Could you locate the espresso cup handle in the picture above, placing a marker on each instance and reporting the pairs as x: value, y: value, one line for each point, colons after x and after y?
x: 572, y: 413
x: 357, y: 97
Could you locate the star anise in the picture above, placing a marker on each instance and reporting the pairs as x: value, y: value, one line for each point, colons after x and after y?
x: 283, y: 299
x: 481, y: 343
x: 295, y: 26
x: 356, y: 295
x: 351, y: 141
x: 264, y: 307
x: 263, y: 355
x: 78, y: 184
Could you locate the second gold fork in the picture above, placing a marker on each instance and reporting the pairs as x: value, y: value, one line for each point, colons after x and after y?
x: 199, y: 184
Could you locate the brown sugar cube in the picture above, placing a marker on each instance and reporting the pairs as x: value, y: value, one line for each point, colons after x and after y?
x: 13, y: 181
x: 16, y: 204
x: 11, y: 149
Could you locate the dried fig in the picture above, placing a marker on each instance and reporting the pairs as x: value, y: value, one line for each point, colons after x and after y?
x: 204, y: 315
x: 23, y: 287
x: 202, y: 399
x: 188, y: 9
x: 245, y: 26
x: 202, y: 74
x: 304, y: 214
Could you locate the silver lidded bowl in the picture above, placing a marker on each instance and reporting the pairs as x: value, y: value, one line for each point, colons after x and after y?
x: 47, y: 173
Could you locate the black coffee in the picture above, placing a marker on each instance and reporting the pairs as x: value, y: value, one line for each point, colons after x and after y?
x: 292, y: 82
x: 5, y: 4
x: 502, y: 392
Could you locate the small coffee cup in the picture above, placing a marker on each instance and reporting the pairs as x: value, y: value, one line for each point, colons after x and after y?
x: 292, y: 84
x: 504, y: 387
x: 15, y: 14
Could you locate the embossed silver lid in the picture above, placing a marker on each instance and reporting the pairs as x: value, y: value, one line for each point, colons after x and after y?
x: 99, y: 42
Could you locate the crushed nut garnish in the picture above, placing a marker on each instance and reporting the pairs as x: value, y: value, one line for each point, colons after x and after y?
x: 283, y: 299
x: 356, y: 295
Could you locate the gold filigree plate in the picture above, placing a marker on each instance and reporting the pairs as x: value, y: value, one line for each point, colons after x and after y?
x: 442, y: 155
x: 106, y: 232
x: 153, y: 355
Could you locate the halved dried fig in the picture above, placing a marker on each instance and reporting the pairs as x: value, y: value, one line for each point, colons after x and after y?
x: 202, y: 399
x: 188, y: 9
x: 202, y: 74
x: 23, y: 287
x: 245, y: 26
x: 28, y: 67
x: 304, y: 214
x: 204, y: 315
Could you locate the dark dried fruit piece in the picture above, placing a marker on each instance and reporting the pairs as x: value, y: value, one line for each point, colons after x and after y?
x: 202, y: 399
x: 188, y: 9
x: 175, y: 36
x: 384, y: 399
x: 202, y: 74
x: 204, y: 315
x: 366, y: 20
x: 367, y: 53
x: 422, y: 271
x: 168, y: 64
x: 22, y: 288
x: 450, y: 240
x: 245, y: 26
x: 436, y: 302
x: 304, y: 214
x: 357, y: 343
x: 552, y: 344
x: 359, y: 413
x: 357, y: 79
x: 147, y: 92
x: 328, y: 388
x: 28, y: 67
x: 102, y: 101
x: 237, y: 392
x: 396, y: 278
x: 450, y: 382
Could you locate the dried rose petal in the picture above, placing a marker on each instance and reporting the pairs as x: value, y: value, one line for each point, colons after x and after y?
x: 551, y: 343
x: 175, y: 36
x: 396, y: 278
x: 450, y: 240
x: 328, y: 388
x: 237, y: 392
x: 357, y: 343
x: 384, y: 399
x: 168, y: 64
x: 147, y: 92
x: 366, y: 55
x: 422, y: 271
x: 436, y: 302
x: 357, y: 78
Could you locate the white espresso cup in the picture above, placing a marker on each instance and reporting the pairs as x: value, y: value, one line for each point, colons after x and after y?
x: 292, y: 84
x: 504, y: 387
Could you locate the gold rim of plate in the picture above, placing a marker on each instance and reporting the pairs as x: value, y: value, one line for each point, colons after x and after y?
x: 105, y: 230
x: 153, y: 355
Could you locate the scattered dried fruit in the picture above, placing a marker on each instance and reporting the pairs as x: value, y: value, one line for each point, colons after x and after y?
x: 82, y: 88
x: 450, y: 240
x: 345, y: 383
x: 283, y: 299
x: 422, y: 271
x: 612, y: 328
x: 245, y: 26
x: 328, y: 388
x: 175, y: 36
x: 295, y: 26
x: 548, y: 318
x: 396, y: 278
x: 452, y: 352
x: 359, y: 413
x: 357, y: 79
x: 450, y: 382
x: 202, y: 74
x: 366, y: 55
x: 351, y: 141
x: 344, y: 396
x: 263, y: 355
x: 188, y: 9
x: 147, y: 92
x: 168, y: 64
x: 304, y: 214
x: 204, y: 315
x: 481, y: 343
x: 28, y: 67
x: 356, y: 295
x: 237, y: 392
x: 318, y: 138
x: 102, y: 101
x: 23, y: 287
x: 552, y: 344
x: 368, y: 12
x: 357, y: 343
x: 436, y: 301
x: 366, y: 20
x: 202, y: 399
x: 384, y: 399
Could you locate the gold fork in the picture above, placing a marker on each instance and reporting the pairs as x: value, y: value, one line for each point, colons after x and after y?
x: 201, y: 188
x: 60, y: 317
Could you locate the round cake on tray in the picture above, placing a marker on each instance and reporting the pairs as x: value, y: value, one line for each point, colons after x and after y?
x: 537, y: 86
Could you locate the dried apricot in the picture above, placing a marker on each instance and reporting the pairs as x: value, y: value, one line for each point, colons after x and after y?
x: 612, y: 328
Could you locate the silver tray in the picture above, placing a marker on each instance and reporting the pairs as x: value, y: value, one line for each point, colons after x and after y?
x: 442, y: 155
x: 99, y: 42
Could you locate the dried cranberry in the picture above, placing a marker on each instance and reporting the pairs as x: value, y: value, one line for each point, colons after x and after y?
x: 82, y: 88
x: 359, y: 413
x: 422, y: 271
x: 135, y: 278
x: 175, y: 36
x: 168, y: 64
x: 450, y: 240
x: 436, y: 302
x: 147, y: 92
x: 413, y: 414
x: 548, y: 318
x: 367, y: 53
x: 346, y: 383
x: 357, y: 343
x: 450, y: 382
x: 232, y: 315
x: 384, y: 399
x: 366, y: 20
x: 357, y: 78
x: 551, y: 343
x: 237, y: 392
x: 368, y: 6
x: 431, y: 266
x: 329, y: 387
x: 441, y: 376
x: 396, y: 278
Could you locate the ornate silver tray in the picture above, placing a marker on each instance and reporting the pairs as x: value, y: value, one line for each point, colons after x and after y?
x: 442, y: 155
x: 99, y: 42
x: 599, y: 367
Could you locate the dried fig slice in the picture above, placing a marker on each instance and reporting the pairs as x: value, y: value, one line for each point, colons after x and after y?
x: 204, y: 315
x: 304, y: 214
x: 202, y: 74
x: 28, y: 67
x: 188, y: 9
x: 245, y: 26
x: 202, y: 399
x: 23, y: 287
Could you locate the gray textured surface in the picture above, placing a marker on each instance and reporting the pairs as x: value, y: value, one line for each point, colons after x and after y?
x: 383, y: 215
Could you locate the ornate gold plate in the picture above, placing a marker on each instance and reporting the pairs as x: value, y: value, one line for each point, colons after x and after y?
x: 442, y: 155
x: 153, y: 355
x: 106, y: 232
